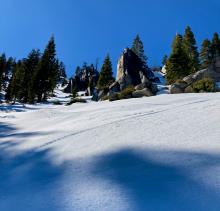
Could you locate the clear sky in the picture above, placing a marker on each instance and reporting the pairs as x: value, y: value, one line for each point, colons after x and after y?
x: 89, y: 29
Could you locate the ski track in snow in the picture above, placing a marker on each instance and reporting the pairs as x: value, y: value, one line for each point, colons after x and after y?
x: 158, y: 153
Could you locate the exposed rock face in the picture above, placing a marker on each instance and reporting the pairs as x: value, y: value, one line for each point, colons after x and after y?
x: 130, y: 70
x: 176, y: 89
x: 84, y: 80
x: 212, y: 72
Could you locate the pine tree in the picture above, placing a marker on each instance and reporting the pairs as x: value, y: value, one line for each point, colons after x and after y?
x: 31, y: 65
x: 46, y: 74
x: 8, y: 72
x: 215, y: 46
x: 205, y: 54
x: 189, y: 43
x: 106, y: 74
x: 177, y: 64
x: 164, y: 61
x: 78, y: 71
x: 61, y: 70
x: 3, y: 63
x: 138, y: 49
x: 16, y: 88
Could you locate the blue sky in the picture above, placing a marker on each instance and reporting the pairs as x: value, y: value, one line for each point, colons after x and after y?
x: 89, y: 29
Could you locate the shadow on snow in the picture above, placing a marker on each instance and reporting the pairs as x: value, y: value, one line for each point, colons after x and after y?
x: 153, y: 185
x: 150, y: 180
x: 27, y: 177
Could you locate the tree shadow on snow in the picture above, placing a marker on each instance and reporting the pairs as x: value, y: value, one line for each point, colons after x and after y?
x: 9, y: 131
x: 149, y: 180
x: 28, y: 176
x: 15, y: 108
x: 152, y: 184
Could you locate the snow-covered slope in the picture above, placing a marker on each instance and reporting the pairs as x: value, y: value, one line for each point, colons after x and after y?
x: 158, y: 153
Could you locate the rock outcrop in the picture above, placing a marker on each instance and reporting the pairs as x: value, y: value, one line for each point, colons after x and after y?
x: 132, y: 72
x: 212, y: 72
x: 130, y: 69
x: 85, y: 79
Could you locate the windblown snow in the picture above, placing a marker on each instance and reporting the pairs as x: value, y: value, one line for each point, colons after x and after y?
x: 154, y: 154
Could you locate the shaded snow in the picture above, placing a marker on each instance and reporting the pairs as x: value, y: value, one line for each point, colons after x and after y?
x: 158, y: 153
x: 161, y: 77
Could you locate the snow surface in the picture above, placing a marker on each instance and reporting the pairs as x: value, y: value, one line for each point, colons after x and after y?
x: 158, y: 153
x: 161, y: 77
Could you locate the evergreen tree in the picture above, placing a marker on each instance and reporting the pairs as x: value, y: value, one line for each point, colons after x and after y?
x: 106, y: 74
x: 62, y: 71
x: 205, y: 54
x: 3, y: 63
x: 31, y: 65
x: 46, y: 75
x: 21, y: 86
x: 215, y: 46
x: 177, y: 64
x: 34, y: 77
x: 190, y: 47
x: 78, y: 71
x: 16, y: 89
x: 138, y: 49
x: 164, y: 61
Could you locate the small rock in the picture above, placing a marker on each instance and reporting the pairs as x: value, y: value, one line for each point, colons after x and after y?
x: 176, y: 89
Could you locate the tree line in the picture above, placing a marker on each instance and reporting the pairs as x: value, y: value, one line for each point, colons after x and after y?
x: 31, y: 79
x: 34, y: 78
x: 185, y: 58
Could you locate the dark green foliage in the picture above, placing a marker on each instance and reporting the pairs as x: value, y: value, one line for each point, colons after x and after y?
x: 215, y: 46
x: 204, y: 85
x: 112, y: 97
x: 46, y: 74
x: 138, y: 49
x: 106, y: 74
x: 126, y: 93
x: 6, y: 66
x: 31, y: 65
x: 74, y: 91
x: 21, y: 85
x: 61, y: 70
x: 36, y: 76
x: 2, y: 69
x: 15, y: 90
x: 189, y: 44
x: 205, y: 54
x: 177, y: 65
x: 164, y: 61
